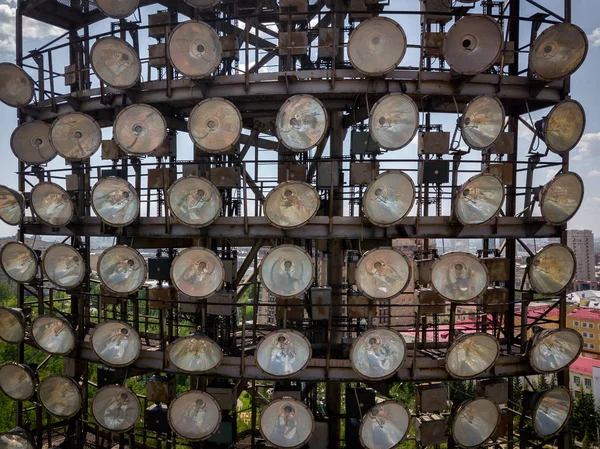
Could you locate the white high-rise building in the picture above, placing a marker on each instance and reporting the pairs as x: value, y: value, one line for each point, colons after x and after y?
x: 582, y: 244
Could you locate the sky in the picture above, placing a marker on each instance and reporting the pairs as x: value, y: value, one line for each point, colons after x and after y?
x: 585, y: 158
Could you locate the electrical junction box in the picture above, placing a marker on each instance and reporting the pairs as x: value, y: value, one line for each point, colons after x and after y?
x: 431, y: 397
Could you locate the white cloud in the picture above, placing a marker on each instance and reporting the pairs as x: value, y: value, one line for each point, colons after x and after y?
x: 32, y: 29
x: 594, y: 38
x: 594, y: 173
x: 588, y: 142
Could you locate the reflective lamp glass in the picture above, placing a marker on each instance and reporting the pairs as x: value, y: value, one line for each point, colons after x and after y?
x: 53, y: 334
x: 194, y: 354
x: 19, y: 262
x: 122, y: 269
x: 115, y: 201
x: 471, y: 355
x: 389, y: 198
x: 283, y: 353
x: 287, y: 271
x: 52, y: 204
x: 378, y: 353
x: 291, y: 204
x: 60, y: 395
x: 286, y: 423
x: 116, y: 408
x: 194, y: 415
x: 116, y: 343
x: 382, y: 273
x: 459, y: 276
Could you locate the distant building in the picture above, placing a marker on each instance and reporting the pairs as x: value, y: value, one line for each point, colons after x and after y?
x: 581, y: 374
x: 582, y: 244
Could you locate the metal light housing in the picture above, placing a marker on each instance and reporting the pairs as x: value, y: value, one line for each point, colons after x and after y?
x: 16, y: 86
x: 551, y: 411
x: 283, y: 353
x: 384, y: 426
x: 122, y: 269
x: 75, y: 136
x: 117, y: 9
x: 286, y: 423
x: 475, y: 422
x: 197, y: 272
x: 394, y: 121
x: 202, y: 4
x: 15, y: 440
x: 12, y: 325
x: 383, y: 273
x: 482, y: 122
x: 377, y: 46
x: 558, y: 52
x: 12, y: 206
x: 287, y: 271
x: 215, y: 125
x: 116, y: 408
x: 116, y: 343
x: 388, y: 198
x: 552, y: 350
x: 63, y: 266
x: 139, y: 129
x: 194, y: 354
x: 552, y: 269
x: 561, y: 198
x: 194, y: 201
x: 194, y: 49
x: 17, y: 381
x: 291, y: 204
x: 53, y: 334
x: 30, y: 143
x: 301, y: 123
x: 52, y: 204
x: 60, y: 395
x: 471, y: 355
x: 563, y: 127
x: 194, y: 415
x: 116, y: 62
x: 459, y: 276
x: 19, y: 262
x: 115, y: 201
x: 378, y: 353
x: 479, y: 199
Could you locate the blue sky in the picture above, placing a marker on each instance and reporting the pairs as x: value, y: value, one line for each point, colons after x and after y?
x: 585, y: 89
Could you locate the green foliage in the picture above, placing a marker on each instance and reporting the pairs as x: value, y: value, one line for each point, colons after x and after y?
x: 586, y: 417
x: 585, y: 444
x: 461, y: 391
x: 542, y: 383
x: 6, y: 294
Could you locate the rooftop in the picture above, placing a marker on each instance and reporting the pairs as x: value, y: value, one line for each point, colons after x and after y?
x: 584, y: 365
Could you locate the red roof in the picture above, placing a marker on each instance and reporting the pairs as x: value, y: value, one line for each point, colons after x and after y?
x: 585, y: 313
x: 583, y: 365
x: 533, y: 313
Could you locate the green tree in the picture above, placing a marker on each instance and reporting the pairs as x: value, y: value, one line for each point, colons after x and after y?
x: 586, y: 442
x: 586, y: 417
x: 542, y: 383
x: 6, y: 293
x: 517, y: 391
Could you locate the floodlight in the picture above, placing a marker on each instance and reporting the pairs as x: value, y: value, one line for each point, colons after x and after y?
x: 139, y: 129
x: 215, y: 125
x: 60, y: 395
x: 12, y: 206
x: 475, y: 422
x: 75, y: 136
x: 378, y: 353
x: 30, y: 143
x: 12, y: 325
x: 382, y: 273
x: 563, y: 127
x: 116, y: 408
x: 377, y: 46
x: 479, y: 199
x: 482, y: 122
x: 551, y: 411
x: 194, y: 354
x: 287, y: 271
x: 63, y: 266
x: 286, y: 423
x: 122, y: 269
x: 116, y: 343
x: 393, y: 121
x: 116, y: 62
x: 561, y: 198
x: 558, y: 52
x: 197, y: 272
x: 291, y: 204
x: 115, y: 201
x: 17, y: 381
x: 16, y: 86
x: 15, y: 440
x: 194, y: 49
x: 554, y: 349
x: 459, y: 276
x: 194, y: 201
x: 473, y: 44
x: 471, y: 355
x: 194, y: 415
x: 301, y: 123
x: 52, y: 204
x: 552, y: 269
x: 384, y: 426
x: 19, y: 262
x: 202, y: 4
x: 388, y: 198
x: 283, y: 353
x: 53, y: 334
x: 117, y: 9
